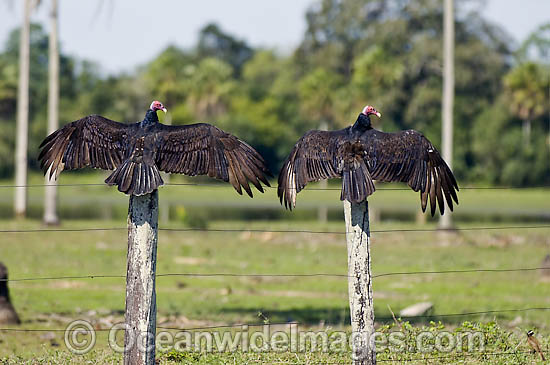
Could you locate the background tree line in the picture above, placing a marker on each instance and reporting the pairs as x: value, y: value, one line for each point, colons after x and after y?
x: 353, y: 52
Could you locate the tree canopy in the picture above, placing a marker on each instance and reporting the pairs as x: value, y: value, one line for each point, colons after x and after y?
x: 353, y: 53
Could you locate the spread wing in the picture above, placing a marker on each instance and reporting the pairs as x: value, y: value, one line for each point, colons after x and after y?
x: 203, y: 149
x: 313, y: 158
x: 91, y: 141
x: 410, y: 157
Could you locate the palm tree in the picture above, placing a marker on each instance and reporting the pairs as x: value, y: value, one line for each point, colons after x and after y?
x: 445, y: 221
x: 209, y: 88
x: 527, y: 84
x: 50, y: 197
x: 318, y: 99
x: 20, y: 203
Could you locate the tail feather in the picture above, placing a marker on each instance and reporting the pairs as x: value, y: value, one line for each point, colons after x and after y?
x: 135, y: 178
x: 357, y: 183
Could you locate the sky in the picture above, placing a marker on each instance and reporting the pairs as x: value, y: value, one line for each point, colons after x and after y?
x: 122, y: 34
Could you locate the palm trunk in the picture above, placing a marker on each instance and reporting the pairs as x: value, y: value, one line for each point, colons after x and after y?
x: 20, y: 203
x: 445, y: 221
x: 50, y: 198
x: 526, y: 129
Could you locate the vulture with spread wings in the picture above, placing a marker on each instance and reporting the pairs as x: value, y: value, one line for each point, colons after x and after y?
x: 360, y: 154
x: 137, y: 152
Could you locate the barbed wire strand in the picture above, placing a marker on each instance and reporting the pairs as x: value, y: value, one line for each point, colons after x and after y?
x: 220, y: 185
x: 8, y: 329
x: 400, y: 273
x: 270, y: 230
x: 158, y: 327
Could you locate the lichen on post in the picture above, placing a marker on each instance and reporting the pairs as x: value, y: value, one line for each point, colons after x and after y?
x: 141, y: 308
x: 360, y: 282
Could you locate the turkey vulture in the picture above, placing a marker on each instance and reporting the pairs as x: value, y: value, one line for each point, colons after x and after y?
x: 137, y: 152
x: 360, y: 154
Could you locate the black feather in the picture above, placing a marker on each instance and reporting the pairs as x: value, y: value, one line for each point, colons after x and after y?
x: 136, y: 152
x: 360, y: 154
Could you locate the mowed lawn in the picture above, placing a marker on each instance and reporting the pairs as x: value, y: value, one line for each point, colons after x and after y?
x: 318, y: 302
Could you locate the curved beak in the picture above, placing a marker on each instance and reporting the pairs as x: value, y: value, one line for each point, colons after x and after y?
x: 164, y: 110
x: 378, y: 114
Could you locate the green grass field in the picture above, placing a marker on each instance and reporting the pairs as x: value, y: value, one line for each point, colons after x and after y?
x: 318, y: 303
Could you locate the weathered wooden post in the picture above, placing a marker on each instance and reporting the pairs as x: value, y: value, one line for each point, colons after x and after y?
x: 360, y: 282
x: 141, y: 305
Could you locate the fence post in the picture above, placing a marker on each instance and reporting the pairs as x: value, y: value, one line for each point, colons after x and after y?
x: 141, y: 306
x: 360, y: 282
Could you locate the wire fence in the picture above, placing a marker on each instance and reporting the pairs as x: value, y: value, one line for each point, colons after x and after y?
x: 392, y: 357
x: 291, y: 275
x: 221, y: 185
x: 431, y: 316
x: 251, y: 230
x: 267, y: 323
x: 295, y: 275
